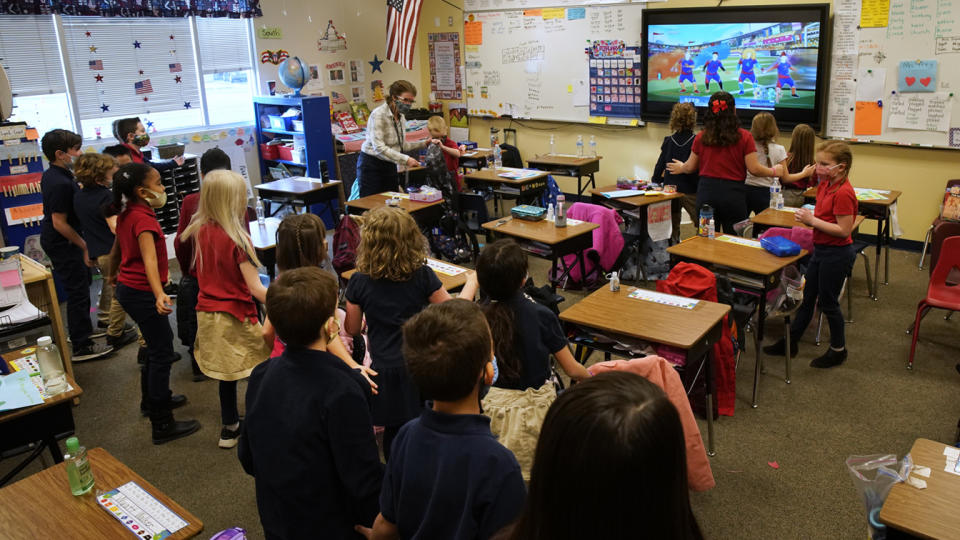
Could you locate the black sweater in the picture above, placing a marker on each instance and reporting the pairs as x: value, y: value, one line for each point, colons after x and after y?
x: 676, y: 146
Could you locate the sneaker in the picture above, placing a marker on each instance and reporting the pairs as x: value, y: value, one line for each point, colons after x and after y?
x: 103, y: 324
x: 98, y: 332
x: 176, y: 401
x: 122, y: 340
x: 91, y: 351
x: 829, y: 359
x: 779, y: 348
x: 229, y: 437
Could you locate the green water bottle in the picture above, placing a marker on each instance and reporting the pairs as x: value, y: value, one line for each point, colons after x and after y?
x: 78, y: 468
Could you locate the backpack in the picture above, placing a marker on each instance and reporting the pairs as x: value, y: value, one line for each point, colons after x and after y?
x: 549, y: 196
x: 437, y: 174
x: 346, y: 239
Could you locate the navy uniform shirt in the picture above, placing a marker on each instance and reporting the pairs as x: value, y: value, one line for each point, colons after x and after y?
x: 308, y: 440
x: 538, y: 335
x: 88, y: 204
x: 58, y: 188
x: 449, y: 478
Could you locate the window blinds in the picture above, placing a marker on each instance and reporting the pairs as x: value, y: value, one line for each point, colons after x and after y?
x: 224, y: 44
x: 30, y: 52
x: 123, y: 66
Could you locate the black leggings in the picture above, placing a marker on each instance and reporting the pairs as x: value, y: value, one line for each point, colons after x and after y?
x: 758, y: 198
x: 728, y: 199
x: 828, y: 267
x: 229, y: 414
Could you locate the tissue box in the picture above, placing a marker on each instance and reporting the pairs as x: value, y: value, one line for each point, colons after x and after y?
x: 426, y: 195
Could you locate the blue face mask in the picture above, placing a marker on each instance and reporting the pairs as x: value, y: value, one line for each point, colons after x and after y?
x: 484, y: 388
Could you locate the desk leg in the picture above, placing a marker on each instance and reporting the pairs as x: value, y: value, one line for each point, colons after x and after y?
x: 786, y: 339
x: 876, y: 262
x: 59, y: 332
x: 757, y: 340
x: 709, y: 395
x: 593, y: 183
x: 583, y: 270
x: 553, y: 272
x: 886, y: 251
x: 55, y: 452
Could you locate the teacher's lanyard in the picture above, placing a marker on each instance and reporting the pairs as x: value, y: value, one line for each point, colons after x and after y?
x: 396, y: 128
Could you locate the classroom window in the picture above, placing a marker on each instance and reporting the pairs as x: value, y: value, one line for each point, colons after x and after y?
x: 228, y: 78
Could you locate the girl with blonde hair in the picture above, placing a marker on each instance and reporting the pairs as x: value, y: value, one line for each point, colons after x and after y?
x: 229, y: 343
x: 392, y: 284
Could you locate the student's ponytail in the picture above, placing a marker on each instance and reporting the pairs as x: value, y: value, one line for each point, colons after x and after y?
x: 125, y: 183
x: 501, y: 271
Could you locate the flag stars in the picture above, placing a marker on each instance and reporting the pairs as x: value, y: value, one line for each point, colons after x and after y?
x: 99, y: 78
x: 136, y: 44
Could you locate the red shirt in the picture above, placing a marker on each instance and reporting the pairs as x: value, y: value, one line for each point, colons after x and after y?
x: 453, y: 163
x: 726, y: 162
x: 184, y: 248
x: 135, y: 219
x: 136, y: 155
x: 222, y: 287
x: 832, y: 201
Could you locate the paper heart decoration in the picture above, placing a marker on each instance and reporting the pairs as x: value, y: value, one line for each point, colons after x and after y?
x: 910, y: 80
x: 926, y: 81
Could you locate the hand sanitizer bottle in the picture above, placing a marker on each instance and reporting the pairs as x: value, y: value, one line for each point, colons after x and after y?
x: 78, y: 468
x: 560, y: 216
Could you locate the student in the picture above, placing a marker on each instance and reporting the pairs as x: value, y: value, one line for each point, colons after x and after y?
x: 95, y: 174
x: 683, y: 118
x: 451, y: 151
x: 229, y: 343
x: 133, y: 135
x: 723, y: 153
x: 803, y: 141
x: 61, y: 240
x: 833, y: 256
x: 449, y: 477
x: 120, y: 153
x: 141, y: 252
x: 614, y: 443
x: 526, y: 333
x: 383, y: 150
x: 308, y: 439
x: 213, y: 159
x: 764, y: 130
x: 392, y: 284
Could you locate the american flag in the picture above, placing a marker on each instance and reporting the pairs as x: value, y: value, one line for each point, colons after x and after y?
x: 96, y: 64
x: 143, y: 87
x: 403, y: 16
x: 175, y: 68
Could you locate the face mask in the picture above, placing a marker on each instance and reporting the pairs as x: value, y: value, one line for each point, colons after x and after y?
x: 403, y: 108
x: 158, y: 200
x: 826, y: 172
x: 141, y: 140
x: 68, y: 165
x: 484, y: 388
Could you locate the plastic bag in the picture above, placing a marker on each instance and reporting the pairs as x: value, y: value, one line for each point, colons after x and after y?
x: 873, y: 477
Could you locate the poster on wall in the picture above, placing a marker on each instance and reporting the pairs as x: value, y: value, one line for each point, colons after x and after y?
x: 335, y: 73
x: 356, y: 71
x: 615, y: 77
x: 444, y: 53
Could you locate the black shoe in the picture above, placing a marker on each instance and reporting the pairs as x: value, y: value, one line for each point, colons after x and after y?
x: 829, y: 359
x: 176, y: 401
x: 103, y: 324
x: 171, y: 430
x: 780, y: 347
x: 198, y: 376
x: 92, y: 351
x: 122, y: 340
x: 229, y: 437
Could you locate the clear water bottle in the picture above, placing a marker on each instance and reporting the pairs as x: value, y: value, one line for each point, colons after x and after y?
x: 706, y: 216
x: 560, y: 215
x: 779, y: 201
x: 579, y: 146
x: 497, y: 157
x: 78, y: 468
x: 593, y: 146
x: 774, y: 193
x: 712, y: 229
x: 553, y: 146
x: 261, y: 215
x: 51, y: 366
x: 615, y: 281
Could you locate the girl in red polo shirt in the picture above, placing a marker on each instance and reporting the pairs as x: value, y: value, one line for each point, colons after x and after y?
x: 141, y: 250
x: 723, y: 153
x: 229, y: 343
x: 833, y: 256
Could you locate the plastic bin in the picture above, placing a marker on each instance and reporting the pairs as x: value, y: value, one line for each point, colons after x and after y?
x: 269, y: 151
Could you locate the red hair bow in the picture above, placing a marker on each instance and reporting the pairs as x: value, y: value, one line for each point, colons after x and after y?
x: 719, y: 105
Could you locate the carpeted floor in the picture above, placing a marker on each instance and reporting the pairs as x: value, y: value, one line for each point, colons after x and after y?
x: 779, y: 468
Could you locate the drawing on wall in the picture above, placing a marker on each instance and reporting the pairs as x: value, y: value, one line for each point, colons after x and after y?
x: 273, y: 57
x: 331, y: 40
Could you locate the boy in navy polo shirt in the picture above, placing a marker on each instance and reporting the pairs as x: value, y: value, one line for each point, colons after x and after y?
x: 448, y: 477
x: 61, y: 241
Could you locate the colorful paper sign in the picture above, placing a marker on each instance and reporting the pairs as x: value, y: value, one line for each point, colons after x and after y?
x: 917, y: 76
x: 868, y: 118
x: 874, y: 13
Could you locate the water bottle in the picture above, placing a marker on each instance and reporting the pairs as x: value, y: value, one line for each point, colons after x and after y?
x: 497, y: 157
x: 615, y: 281
x: 774, y: 193
x: 51, y: 366
x: 579, y: 146
x: 261, y: 219
x: 550, y: 214
x: 712, y: 229
x: 553, y: 148
x: 593, y: 146
x: 78, y: 468
x: 560, y: 215
x: 706, y: 215
x: 779, y: 201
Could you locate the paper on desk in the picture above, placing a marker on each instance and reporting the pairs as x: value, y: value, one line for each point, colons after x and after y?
x: 665, y: 299
x: 621, y: 193
x: 396, y: 195
x: 866, y: 194
x: 444, y: 268
x: 18, y: 391
x: 740, y: 241
x: 14, y: 295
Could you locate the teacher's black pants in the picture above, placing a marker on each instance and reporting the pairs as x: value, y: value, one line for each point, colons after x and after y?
x: 376, y: 175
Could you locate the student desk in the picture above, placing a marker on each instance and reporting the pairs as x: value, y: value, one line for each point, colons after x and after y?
x: 449, y: 282
x: 693, y: 330
x: 573, y: 166
x: 930, y: 512
x: 785, y: 218
x: 45, y: 424
x: 527, y: 189
x: 265, y: 243
x: 425, y: 213
x: 475, y: 159
x: 878, y: 210
x: 41, y: 505
x: 303, y: 192
x: 750, y: 268
x: 42, y: 293
x: 543, y: 239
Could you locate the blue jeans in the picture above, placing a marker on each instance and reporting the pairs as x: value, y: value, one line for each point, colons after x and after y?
x: 828, y: 267
x: 141, y: 306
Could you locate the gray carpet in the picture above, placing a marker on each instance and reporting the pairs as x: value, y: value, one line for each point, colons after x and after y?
x: 871, y: 404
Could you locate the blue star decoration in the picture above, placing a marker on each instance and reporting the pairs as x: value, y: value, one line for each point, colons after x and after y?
x: 186, y: 104
x: 375, y: 64
x: 104, y: 107
x: 136, y: 44
x: 149, y: 124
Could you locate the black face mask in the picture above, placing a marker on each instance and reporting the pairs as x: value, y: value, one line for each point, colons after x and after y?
x: 403, y: 108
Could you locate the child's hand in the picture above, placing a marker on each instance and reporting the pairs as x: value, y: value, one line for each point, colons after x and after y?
x: 437, y: 142
x: 804, y: 216
x: 675, y: 166
x: 366, y: 532
x: 808, y: 170
x: 472, y: 278
x: 462, y: 148
x: 164, y: 304
x: 367, y: 373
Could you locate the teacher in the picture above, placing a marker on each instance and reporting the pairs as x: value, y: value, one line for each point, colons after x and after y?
x: 382, y: 151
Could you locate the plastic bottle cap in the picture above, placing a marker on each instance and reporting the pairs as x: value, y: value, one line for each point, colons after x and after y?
x: 73, y: 445
x: 44, y: 341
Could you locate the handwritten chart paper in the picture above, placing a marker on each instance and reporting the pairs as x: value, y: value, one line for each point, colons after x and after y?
x: 665, y: 299
x: 871, y: 83
x: 874, y: 13
x: 928, y: 112
x: 917, y: 76
x: 840, y: 109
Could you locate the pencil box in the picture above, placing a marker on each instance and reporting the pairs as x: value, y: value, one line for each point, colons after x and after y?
x: 780, y: 246
x: 528, y: 212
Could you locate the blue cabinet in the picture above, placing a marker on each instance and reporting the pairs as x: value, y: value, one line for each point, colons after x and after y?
x: 316, y: 135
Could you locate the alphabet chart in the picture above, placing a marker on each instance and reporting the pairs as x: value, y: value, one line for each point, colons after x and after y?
x: 141, y: 513
x: 665, y: 299
x: 444, y: 268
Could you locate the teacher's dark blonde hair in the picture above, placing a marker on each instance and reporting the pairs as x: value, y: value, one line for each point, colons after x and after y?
x: 400, y: 87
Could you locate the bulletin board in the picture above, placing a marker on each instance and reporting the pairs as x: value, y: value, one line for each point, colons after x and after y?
x: 894, y: 76
x: 572, y: 64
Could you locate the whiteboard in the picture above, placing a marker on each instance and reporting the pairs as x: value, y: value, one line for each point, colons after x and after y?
x: 866, y: 78
x: 533, y: 63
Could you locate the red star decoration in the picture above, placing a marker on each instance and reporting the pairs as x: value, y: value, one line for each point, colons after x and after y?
x: 145, y: 98
x: 98, y: 77
x: 141, y: 72
x: 176, y: 79
x: 171, y: 36
x: 88, y: 34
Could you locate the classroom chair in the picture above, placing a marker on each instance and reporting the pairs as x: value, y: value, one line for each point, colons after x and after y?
x: 608, y: 243
x: 944, y: 230
x: 943, y: 292
x: 936, y: 222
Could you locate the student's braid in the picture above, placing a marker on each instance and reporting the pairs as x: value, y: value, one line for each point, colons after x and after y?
x: 766, y: 150
x: 299, y: 242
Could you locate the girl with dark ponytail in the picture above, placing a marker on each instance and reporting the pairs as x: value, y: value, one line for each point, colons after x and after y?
x: 141, y: 250
x: 525, y: 333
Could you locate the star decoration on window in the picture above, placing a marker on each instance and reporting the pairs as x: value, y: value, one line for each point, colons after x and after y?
x: 171, y: 36
x: 87, y: 33
x: 93, y: 48
x: 141, y: 72
x: 145, y: 98
x: 136, y: 44
x: 173, y: 52
x: 177, y: 79
x: 98, y: 77
x: 104, y: 107
x: 186, y: 104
